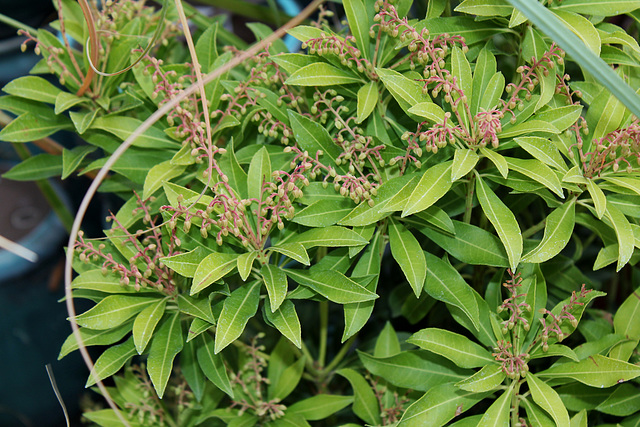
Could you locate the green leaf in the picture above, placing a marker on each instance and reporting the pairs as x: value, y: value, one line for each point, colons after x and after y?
x: 233, y: 171
x: 123, y: 127
x: 357, y: 17
x: 295, y: 251
x: 632, y: 184
x: 33, y: 87
x: 292, y: 62
x: 406, y: 91
x: 111, y: 361
x: 486, y: 379
x: 276, y: 283
x: 503, y: 220
x: 463, y: 161
x: 94, y: 337
x: 548, y: 399
x: 313, y: 137
x: 438, y: 406
x: 321, y: 74
x: 485, y: 7
x: 624, y: 401
x: 407, y: 252
x: 213, y: 267
x: 145, y: 324
x: 498, y: 413
x: 285, y: 319
x: 581, y: 27
x: 557, y: 232
x: 365, y: 404
x: 497, y: 159
x: 577, y: 50
x: 387, y: 343
x: 71, y: 159
x: 95, y: 280
x: 66, y: 100
x: 528, y: 127
x: 197, y: 327
x: 320, y: 406
x: 196, y: 307
x: 598, y: 198
x: 186, y: 264
x: 445, y: 284
x: 259, y: 173
x: 561, y: 118
x: 434, y: 184
x: 536, y: 415
x: 627, y: 322
x: 82, y: 120
x: 624, y: 234
x: 192, y: 372
x: 455, y: 347
x: 40, y: 166
x: 108, y: 418
x: 543, y: 150
x: 598, y: 7
x: 236, y: 312
x: 555, y: 350
x: 579, y: 419
x: 212, y: 365
x: 594, y: 371
x: 461, y: 71
x: 287, y: 381
x: 166, y: 344
x: 328, y: 236
x: 113, y: 310
x: 206, y: 49
x: 417, y: 370
x: 323, y: 213
x: 367, y: 100
x: 245, y: 263
x: 484, y: 72
x: 428, y: 110
x: 158, y: 175
x: 333, y: 285
x: 537, y: 171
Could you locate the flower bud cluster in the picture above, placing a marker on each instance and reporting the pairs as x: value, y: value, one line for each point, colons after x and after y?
x: 55, y: 58
x: 343, y: 48
x: 513, y: 366
x: 488, y: 126
x: 516, y: 309
x: 144, y: 268
x: 250, y: 385
x: 612, y: 150
x: 529, y: 79
x: 552, y: 324
x: 392, y: 404
x: 434, y: 137
x: 427, y: 52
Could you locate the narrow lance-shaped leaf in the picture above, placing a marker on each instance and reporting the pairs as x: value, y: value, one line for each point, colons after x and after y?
x: 111, y: 361
x: 214, y: 267
x: 624, y: 233
x: 434, y: 184
x: 332, y: 285
x: 259, y: 173
x: 445, y: 284
x: 358, y: 24
x: 486, y: 379
x: 236, y: 312
x: 455, y: 347
x: 213, y: 364
x: 594, y: 371
x: 286, y: 320
x: 276, y: 283
x: 113, y: 311
x: 145, y: 324
x: 627, y: 322
x: 498, y: 413
x: 166, y: 344
x: 503, y: 220
x: 407, y: 252
x: 367, y: 100
x: 557, y: 232
x: 365, y: 404
x: 321, y: 74
x: 548, y: 399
